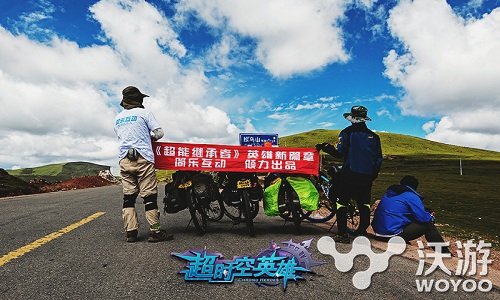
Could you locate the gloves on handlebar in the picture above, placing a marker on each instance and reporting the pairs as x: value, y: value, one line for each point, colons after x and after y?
x: 321, y: 146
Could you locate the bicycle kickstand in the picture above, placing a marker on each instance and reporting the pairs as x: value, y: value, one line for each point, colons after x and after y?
x: 188, y: 224
x: 333, y: 224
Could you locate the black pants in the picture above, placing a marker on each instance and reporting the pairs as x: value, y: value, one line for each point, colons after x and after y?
x: 415, y: 230
x: 359, y: 191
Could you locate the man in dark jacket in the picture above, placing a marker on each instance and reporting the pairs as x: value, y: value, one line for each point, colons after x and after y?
x: 361, y: 151
x: 401, y: 212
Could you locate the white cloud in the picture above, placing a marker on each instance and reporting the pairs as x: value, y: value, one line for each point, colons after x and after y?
x: 313, y: 105
x: 326, y: 99
x: 59, y: 99
x: 60, y: 60
x: 292, y: 36
x: 452, y: 130
x: 429, y: 126
x: 279, y: 117
x: 262, y: 105
x: 385, y: 112
x: 326, y: 124
x: 28, y: 21
x: 475, y: 3
x: 223, y: 54
x: 448, y: 67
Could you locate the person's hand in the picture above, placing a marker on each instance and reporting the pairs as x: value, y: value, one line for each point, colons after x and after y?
x: 321, y: 146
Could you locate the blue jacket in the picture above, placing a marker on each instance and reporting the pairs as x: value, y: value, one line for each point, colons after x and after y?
x: 399, y: 207
x: 360, y: 147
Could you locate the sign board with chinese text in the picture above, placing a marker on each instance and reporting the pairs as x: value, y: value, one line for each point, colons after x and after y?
x: 226, y: 158
x: 258, y: 139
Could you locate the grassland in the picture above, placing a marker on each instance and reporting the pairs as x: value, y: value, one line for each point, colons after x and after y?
x: 58, y: 172
x: 467, y: 205
x: 395, y: 145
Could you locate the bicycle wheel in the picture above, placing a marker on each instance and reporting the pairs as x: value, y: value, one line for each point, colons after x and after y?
x: 248, y: 212
x: 215, y: 210
x: 353, y: 216
x: 233, y: 212
x: 197, y: 215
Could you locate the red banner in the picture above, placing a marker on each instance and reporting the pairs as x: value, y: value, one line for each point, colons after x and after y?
x: 205, y: 157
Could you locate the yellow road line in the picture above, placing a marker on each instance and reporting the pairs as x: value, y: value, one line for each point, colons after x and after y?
x: 38, y: 243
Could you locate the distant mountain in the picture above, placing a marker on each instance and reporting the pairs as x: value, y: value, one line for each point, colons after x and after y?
x: 394, y: 145
x: 59, y: 172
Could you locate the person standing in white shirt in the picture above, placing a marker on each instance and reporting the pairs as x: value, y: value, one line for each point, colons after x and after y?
x: 135, y: 128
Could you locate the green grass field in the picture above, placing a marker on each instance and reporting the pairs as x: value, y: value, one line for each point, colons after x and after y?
x: 395, y: 145
x: 47, y: 170
x: 467, y: 206
x: 58, y: 172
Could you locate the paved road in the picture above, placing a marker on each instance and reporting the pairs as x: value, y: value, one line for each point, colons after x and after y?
x: 93, y: 261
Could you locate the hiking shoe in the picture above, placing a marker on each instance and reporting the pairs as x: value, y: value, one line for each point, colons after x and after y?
x: 159, y: 236
x: 342, y: 238
x: 132, y: 236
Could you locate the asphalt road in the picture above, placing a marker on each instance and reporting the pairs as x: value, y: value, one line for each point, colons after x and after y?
x: 93, y: 261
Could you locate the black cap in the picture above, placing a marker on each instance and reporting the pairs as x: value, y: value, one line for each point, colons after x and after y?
x: 358, y: 112
x: 133, y: 93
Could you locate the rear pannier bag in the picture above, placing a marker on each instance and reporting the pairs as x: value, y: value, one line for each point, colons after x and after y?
x: 307, y: 192
x: 271, y: 193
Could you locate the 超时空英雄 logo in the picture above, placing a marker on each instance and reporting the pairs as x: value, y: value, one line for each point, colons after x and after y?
x: 269, y: 267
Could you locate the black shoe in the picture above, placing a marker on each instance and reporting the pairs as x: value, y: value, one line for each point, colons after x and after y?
x: 132, y: 236
x: 342, y: 238
x: 159, y: 236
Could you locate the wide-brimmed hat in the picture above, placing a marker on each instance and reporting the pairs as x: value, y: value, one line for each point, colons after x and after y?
x: 131, y: 92
x: 358, y: 112
x: 132, y: 96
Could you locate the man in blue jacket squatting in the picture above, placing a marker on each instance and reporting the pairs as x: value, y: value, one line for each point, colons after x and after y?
x: 402, y: 212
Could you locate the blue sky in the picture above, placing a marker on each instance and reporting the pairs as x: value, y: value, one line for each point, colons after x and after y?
x: 216, y: 68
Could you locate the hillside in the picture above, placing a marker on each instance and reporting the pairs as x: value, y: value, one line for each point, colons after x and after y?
x: 11, y: 186
x: 59, y: 172
x: 466, y: 203
x: 395, y: 145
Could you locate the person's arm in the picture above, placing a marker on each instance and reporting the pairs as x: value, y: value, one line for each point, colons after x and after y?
x: 338, y: 152
x: 378, y: 159
x: 157, y: 134
x: 343, y: 144
x: 330, y: 149
x: 418, y: 211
